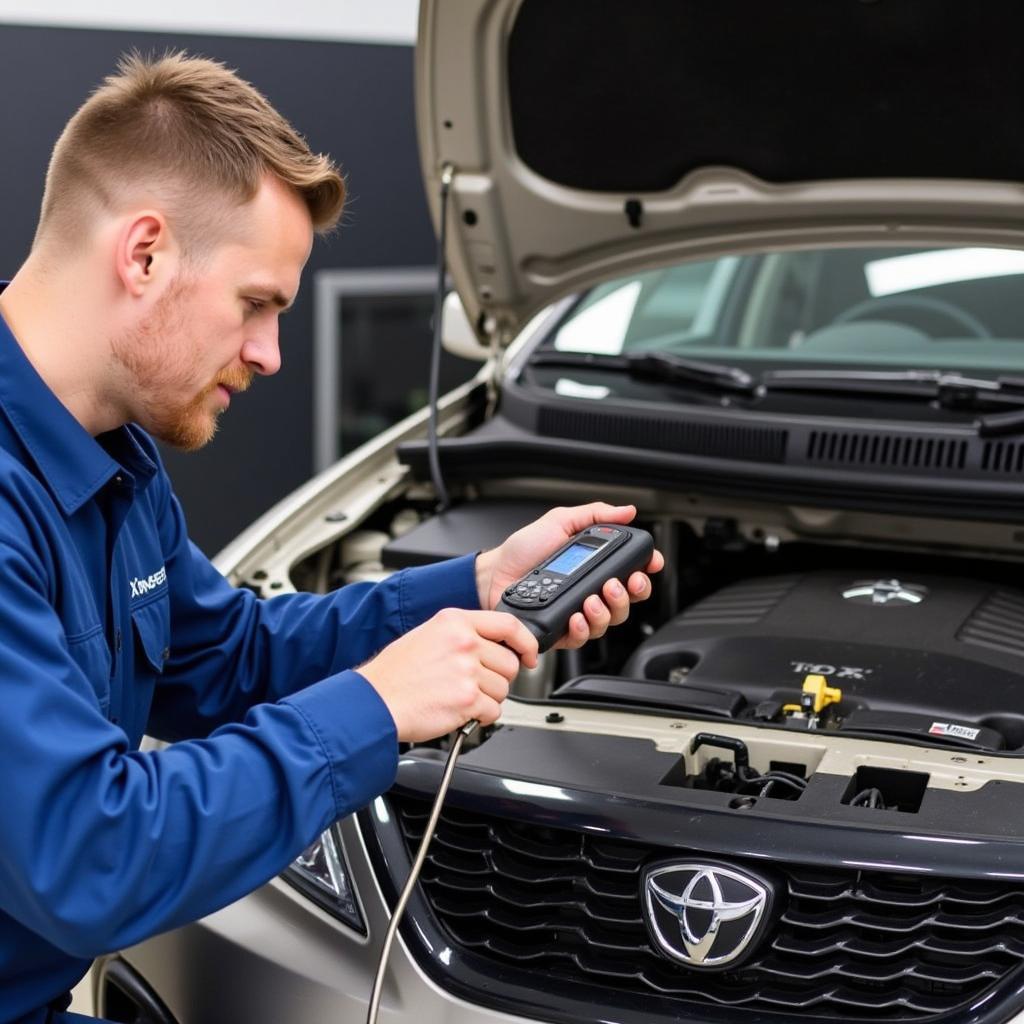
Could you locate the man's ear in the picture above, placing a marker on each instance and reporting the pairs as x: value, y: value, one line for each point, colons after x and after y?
x: 144, y: 253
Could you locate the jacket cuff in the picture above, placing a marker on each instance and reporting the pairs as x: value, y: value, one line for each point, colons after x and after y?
x: 426, y: 589
x: 355, y: 732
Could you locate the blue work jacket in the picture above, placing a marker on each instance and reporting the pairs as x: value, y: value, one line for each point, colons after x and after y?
x: 113, y: 624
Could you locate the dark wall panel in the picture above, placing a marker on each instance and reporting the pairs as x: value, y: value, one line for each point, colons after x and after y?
x: 352, y: 100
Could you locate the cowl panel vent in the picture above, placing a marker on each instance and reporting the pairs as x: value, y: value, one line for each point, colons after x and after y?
x: 1002, y: 457
x: 886, y: 451
x: 722, y: 441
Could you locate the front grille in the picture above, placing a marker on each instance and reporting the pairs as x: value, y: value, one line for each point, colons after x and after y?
x: 566, y: 906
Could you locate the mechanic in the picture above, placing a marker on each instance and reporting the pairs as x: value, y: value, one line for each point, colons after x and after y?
x: 178, y: 213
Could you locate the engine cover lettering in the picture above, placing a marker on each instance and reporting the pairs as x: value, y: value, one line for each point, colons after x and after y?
x: 836, y: 671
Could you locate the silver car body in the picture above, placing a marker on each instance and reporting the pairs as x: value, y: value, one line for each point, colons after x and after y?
x: 521, y: 244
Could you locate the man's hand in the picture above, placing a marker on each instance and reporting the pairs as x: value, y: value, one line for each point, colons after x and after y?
x: 455, y: 667
x: 528, y: 547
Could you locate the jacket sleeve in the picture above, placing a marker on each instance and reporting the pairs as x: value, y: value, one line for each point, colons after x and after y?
x: 230, y: 650
x: 102, y: 846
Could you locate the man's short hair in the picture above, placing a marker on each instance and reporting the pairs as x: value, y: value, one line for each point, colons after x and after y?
x: 189, y: 131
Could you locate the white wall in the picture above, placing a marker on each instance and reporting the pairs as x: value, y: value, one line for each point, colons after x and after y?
x: 369, y: 21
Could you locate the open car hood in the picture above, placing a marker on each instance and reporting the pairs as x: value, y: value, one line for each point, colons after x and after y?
x: 591, y: 138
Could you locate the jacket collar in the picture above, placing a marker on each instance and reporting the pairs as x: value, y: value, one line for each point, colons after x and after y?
x: 71, y: 462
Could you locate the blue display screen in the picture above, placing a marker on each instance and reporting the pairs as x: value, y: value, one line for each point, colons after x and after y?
x: 571, y: 558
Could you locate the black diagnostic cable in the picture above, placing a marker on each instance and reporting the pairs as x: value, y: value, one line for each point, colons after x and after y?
x: 414, y: 871
x: 447, y: 173
x: 543, y: 600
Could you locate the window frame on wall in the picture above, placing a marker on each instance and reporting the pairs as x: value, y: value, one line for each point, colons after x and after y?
x: 331, y: 288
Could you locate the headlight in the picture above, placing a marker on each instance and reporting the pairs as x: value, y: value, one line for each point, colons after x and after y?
x: 321, y: 873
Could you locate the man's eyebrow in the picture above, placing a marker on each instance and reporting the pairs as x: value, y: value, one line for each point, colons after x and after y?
x: 273, y: 296
x: 281, y: 300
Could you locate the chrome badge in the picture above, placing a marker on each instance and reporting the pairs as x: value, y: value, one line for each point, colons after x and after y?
x: 703, y: 915
x: 885, y: 593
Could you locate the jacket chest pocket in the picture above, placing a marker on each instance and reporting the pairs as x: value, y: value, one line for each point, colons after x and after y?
x: 91, y: 654
x: 151, y: 624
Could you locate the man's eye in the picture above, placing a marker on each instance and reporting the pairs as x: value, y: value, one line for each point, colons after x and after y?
x: 254, y: 305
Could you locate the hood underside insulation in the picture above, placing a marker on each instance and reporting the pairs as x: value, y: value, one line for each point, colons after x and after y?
x: 631, y: 97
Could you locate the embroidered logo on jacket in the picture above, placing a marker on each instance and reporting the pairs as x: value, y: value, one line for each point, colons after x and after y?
x: 141, y: 587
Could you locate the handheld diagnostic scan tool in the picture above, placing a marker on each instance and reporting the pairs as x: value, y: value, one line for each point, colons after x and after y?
x: 546, y: 597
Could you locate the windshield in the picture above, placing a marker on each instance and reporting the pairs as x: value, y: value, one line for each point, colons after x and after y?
x: 953, y: 308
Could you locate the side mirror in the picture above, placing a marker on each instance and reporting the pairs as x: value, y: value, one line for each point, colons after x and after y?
x: 457, y: 335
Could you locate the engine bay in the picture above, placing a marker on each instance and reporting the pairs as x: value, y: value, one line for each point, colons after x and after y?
x: 903, y: 652
x: 768, y: 655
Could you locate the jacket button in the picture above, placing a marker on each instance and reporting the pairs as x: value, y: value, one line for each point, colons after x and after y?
x: 165, y: 654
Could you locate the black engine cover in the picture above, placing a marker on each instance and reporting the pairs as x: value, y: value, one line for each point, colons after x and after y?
x: 949, y: 648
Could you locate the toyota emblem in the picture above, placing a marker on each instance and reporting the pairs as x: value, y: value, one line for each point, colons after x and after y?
x: 704, y: 915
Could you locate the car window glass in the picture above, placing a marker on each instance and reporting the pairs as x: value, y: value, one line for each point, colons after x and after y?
x: 947, y: 308
x: 602, y: 319
x: 674, y: 304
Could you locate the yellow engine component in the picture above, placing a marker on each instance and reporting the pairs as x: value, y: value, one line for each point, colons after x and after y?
x: 822, y: 694
x: 817, y: 695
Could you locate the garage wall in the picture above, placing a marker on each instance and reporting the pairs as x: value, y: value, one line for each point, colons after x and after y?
x: 383, y: 21
x: 350, y: 98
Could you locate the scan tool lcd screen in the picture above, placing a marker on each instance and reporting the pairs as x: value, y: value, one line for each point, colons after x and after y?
x: 571, y: 558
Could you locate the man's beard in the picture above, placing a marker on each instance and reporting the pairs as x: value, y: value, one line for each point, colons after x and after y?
x: 193, y: 425
x: 156, y: 359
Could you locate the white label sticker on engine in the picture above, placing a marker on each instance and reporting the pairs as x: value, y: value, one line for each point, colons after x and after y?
x: 962, y: 732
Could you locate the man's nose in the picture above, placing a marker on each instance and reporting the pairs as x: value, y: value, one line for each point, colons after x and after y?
x: 261, y: 351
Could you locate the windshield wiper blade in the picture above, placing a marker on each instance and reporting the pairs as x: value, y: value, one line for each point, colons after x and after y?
x: 948, y: 390
x: 664, y: 367
x: 909, y: 383
x: 669, y: 366
x: 1000, y: 424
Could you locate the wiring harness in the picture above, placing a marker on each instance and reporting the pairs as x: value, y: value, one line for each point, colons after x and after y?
x: 737, y: 776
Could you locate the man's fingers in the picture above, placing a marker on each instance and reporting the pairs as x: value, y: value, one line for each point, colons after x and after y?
x: 504, y: 628
x: 493, y: 685
x: 617, y: 599
x: 579, y: 517
x: 639, y: 587
x: 499, y: 659
x: 598, y: 616
x: 577, y: 633
x: 487, y: 711
x: 456, y: 666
